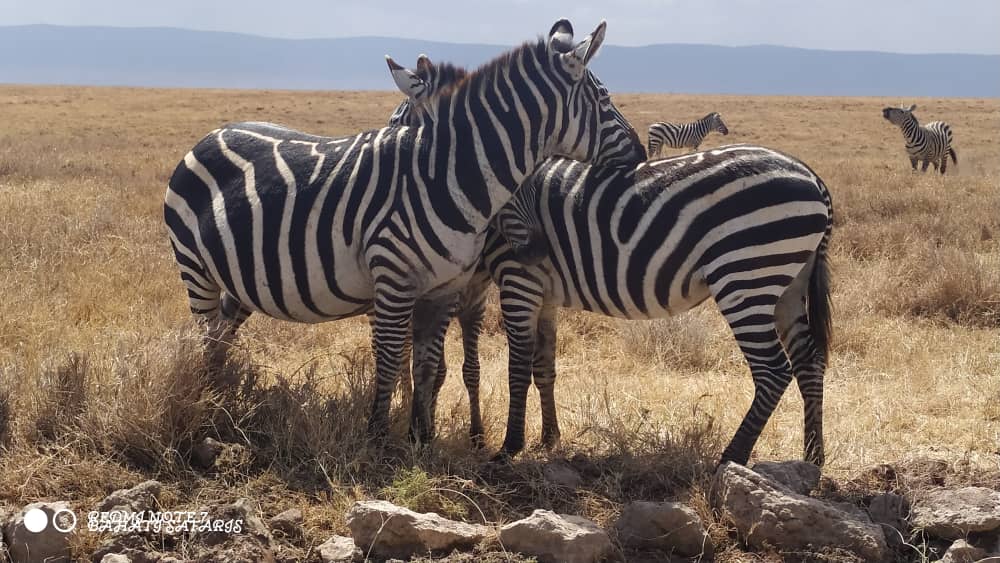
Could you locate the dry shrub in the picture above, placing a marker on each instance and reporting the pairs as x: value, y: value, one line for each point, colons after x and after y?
x: 682, y: 342
x: 61, y: 397
x: 6, y: 419
x: 947, y: 284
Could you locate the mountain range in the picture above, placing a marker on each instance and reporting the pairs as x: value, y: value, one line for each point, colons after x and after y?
x: 169, y: 57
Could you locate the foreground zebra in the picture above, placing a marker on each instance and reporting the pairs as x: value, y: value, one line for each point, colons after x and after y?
x: 745, y: 225
x: 930, y: 143
x: 311, y: 229
x: 683, y: 135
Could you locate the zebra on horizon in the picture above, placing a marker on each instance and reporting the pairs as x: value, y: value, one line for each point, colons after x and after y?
x: 683, y: 135
x: 930, y: 143
x: 753, y: 235
x: 311, y: 229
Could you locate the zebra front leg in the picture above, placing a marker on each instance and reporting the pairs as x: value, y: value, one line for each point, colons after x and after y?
x: 544, y: 374
x: 404, y: 379
x: 923, y: 167
x: 471, y: 320
x: 221, y: 333
x: 944, y: 163
x: 430, y: 322
x: 389, y: 340
x: 913, y: 164
x: 520, y: 318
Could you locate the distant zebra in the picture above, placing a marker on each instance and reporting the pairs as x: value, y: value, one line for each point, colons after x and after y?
x: 310, y: 229
x: 684, y: 135
x: 753, y: 236
x: 930, y: 143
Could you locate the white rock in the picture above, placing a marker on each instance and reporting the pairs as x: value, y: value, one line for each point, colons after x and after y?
x: 561, y: 538
x: 562, y: 474
x: 667, y: 526
x: 288, y: 522
x: 801, y: 477
x: 49, y: 544
x: 339, y: 549
x: 769, y: 514
x: 952, y: 513
x: 115, y: 558
x: 388, y: 530
x: 962, y: 552
x: 139, y: 498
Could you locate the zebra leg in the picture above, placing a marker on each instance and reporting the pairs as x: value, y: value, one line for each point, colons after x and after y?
x: 544, y: 374
x: 520, y: 304
x: 389, y: 339
x: 404, y: 380
x: 923, y: 167
x: 751, y: 318
x: 471, y: 319
x: 944, y: 163
x: 430, y: 322
x: 221, y: 331
x: 913, y: 164
x: 808, y: 362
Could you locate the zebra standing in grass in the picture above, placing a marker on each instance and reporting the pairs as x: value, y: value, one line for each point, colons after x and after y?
x: 684, y: 135
x: 311, y: 229
x: 930, y: 143
x: 745, y: 225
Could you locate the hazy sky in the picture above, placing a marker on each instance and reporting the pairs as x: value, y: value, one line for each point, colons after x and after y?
x: 906, y: 26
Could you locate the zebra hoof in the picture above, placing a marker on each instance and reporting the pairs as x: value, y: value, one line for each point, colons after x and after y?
x: 478, y: 441
x: 502, y: 457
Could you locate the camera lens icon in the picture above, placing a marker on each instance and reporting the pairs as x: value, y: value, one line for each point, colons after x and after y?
x: 36, y: 520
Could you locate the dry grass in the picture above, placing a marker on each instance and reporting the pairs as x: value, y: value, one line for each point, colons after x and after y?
x: 100, y: 384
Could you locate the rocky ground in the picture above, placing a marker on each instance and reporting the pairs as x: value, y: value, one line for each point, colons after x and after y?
x: 786, y: 509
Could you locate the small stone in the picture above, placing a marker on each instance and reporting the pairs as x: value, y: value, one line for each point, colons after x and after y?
x: 557, y: 538
x: 288, y: 523
x: 800, y: 477
x: 116, y: 558
x: 562, y: 474
x: 951, y: 514
x: 48, y: 544
x: 667, y: 526
x: 339, y: 549
x: 963, y: 552
x: 388, y: 530
x: 139, y: 498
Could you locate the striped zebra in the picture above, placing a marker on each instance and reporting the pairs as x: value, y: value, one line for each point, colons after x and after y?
x: 745, y: 225
x: 311, y: 229
x: 684, y: 135
x: 930, y: 143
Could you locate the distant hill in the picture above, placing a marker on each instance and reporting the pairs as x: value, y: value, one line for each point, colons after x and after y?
x: 44, y: 54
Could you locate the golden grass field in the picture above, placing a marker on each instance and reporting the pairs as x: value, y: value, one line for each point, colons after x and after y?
x: 99, y: 363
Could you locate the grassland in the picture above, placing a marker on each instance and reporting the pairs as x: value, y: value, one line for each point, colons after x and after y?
x: 99, y: 371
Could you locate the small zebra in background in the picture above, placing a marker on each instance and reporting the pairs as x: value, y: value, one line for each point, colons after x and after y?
x: 930, y: 143
x: 684, y: 135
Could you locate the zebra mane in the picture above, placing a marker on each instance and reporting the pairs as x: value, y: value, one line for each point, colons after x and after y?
x: 486, y: 74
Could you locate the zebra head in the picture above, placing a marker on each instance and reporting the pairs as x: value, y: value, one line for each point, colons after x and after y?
x: 900, y: 116
x: 420, y: 85
x: 717, y: 123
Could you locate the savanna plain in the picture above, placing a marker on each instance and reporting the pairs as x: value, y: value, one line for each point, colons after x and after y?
x: 101, y: 378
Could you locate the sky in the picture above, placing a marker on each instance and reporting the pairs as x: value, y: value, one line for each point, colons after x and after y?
x: 902, y: 26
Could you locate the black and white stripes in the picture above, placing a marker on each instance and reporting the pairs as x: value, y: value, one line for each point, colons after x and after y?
x: 930, y: 143
x: 310, y: 229
x: 683, y: 135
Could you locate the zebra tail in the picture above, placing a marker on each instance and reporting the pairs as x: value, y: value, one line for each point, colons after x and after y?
x: 820, y: 316
x: 954, y: 155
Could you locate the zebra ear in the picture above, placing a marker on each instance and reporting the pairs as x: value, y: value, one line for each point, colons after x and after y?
x: 575, y: 61
x: 561, y: 36
x: 424, y: 63
x: 411, y: 85
x: 912, y: 107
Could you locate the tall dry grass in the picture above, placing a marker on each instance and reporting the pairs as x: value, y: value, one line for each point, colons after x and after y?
x: 101, y: 384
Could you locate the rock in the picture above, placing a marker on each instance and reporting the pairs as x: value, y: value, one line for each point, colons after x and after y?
x: 952, y: 513
x: 339, y: 549
x: 557, y: 538
x: 288, y: 523
x: 962, y: 552
x: 769, y: 514
x: 890, y: 511
x: 241, y: 511
x: 115, y: 558
x: 801, y: 477
x: 47, y: 544
x: 388, y: 530
x: 667, y: 526
x: 139, y: 498
x: 561, y: 474
x: 204, y: 454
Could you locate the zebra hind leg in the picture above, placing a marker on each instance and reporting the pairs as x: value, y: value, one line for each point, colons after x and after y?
x: 807, y: 359
x: 471, y: 319
x: 430, y: 322
x: 403, y: 378
x: 751, y: 318
x: 544, y: 374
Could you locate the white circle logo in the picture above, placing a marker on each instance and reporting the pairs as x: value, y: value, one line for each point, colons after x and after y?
x: 35, y: 520
x: 64, y: 520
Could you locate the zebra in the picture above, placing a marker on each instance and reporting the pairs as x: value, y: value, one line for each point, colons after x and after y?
x: 745, y: 225
x: 683, y: 135
x: 311, y: 229
x: 930, y: 143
